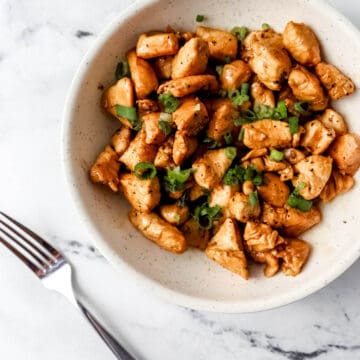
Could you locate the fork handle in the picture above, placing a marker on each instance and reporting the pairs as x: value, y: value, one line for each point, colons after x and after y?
x: 110, y: 341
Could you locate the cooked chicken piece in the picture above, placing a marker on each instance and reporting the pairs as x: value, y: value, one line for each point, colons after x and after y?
x: 106, y: 168
x: 254, y: 154
x: 287, y: 173
x: 262, y: 95
x: 121, y: 140
x: 294, y: 256
x: 306, y: 87
x: 302, y: 44
x: 191, y: 116
x: 187, y: 35
x: 222, y: 120
x: 142, y: 74
x: 122, y: 93
x: 226, y: 249
x: 138, y: 151
x: 147, y: 105
x: 163, y: 67
x: 196, y: 192
x: 296, y: 138
x: 240, y: 208
x: 143, y: 195
x: 273, y: 190
x: 345, y: 151
x: 248, y: 187
x: 174, y: 214
x: 267, y: 133
x: 235, y: 74
x: 267, y: 58
x: 188, y: 85
x: 184, y: 147
x: 317, y: 137
x: 290, y: 221
x: 337, y: 185
x: 337, y: 84
x: 288, y: 97
x: 270, y: 259
x: 221, y: 195
x: 261, y: 237
x: 161, y: 44
x: 211, y: 168
x: 159, y: 231
x: 221, y: 43
x: 314, y: 171
x: 272, y: 165
x: 191, y: 59
x: 164, y: 156
x: 195, y: 236
x: 257, y: 162
x: 333, y: 120
x: 154, y: 135
x: 293, y: 155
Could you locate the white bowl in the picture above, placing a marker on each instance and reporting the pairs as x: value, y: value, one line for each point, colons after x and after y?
x: 192, y: 279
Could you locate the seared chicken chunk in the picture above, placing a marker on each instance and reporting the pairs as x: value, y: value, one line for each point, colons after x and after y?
x: 121, y: 140
x: 302, y: 43
x: 337, y: 185
x: 241, y: 209
x: 313, y: 172
x: 337, y: 84
x: 267, y: 133
x: 195, y: 236
x: 106, y: 168
x: 142, y: 74
x: 272, y: 165
x: 147, y: 105
x: 226, y: 249
x: 154, y: 135
x: 138, y: 151
x: 184, y: 147
x: 235, y: 74
x: 163, y: 67
x: 293, y: 155
x: 188, y: 85
x: 191, y: 116
x: 345, y: 151
x: 221, y: 195
x: 262, y: 95
x: 294, y: 256
x: 261, y: 237
x: 156, y: 45
x: 143, y: 195
x: 164, y: 155
x: 122, y: 93
x: 270, y: 259
x: 333, y: 120
x: 317, y: 137
x: 273, y: 190
x: 254, y: 154
x: 196, y: 191
x: 221, y: 43
x: 211, y: 168
x: 159, y: 231
x: 222, y: 120
x: 191, y: 59
x: 306, y: 87
x: 174, y: 214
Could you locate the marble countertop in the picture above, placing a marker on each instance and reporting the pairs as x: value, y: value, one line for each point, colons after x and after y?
x: 41, y: 44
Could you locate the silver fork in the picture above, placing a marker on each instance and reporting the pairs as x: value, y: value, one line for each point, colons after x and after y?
x: 52, y: 268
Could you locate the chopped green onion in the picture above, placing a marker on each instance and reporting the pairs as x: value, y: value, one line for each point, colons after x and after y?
x: 200, y: 18
x: 169, y: 102
x: 234, y: 176
x: 280, y: 110
x: 249, y: 173
x: 263, y: 111
x: 205, y: 215
x: 122, y: 70
x: 302, y: 107
x: 175, y: 178
x: 230, y: 152
x: 241, y: 134
x: 182, y: 201
x: 258, y: 179
x: 265, y: 26
x: 237, y: 98
x: 301, y: 185
x: 240, y: 32
x: 228, y: 138
x: 129, y: 113
x: 219, y: 69
x: 197, y: 107
x: 298, y: 202
x: 212, y: 144
x: 165, y: 127
x: 244, y: 88
x: 165, y: 117
x: 276, y: 155
x: 177, y: 217
x: 227, y: 59
x: 248, y: 116
x: 293, y: 124
x: 253, y: 198
x: 145, y: 170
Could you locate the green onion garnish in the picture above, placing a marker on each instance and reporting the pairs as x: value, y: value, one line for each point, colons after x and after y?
x: 197, y: 107
x: 177, y: 217
x: 295, y: 200
x: 175, y: 178
x: 265, y: 26
x: 129, y: 113
x: 258, y: 179
x: 293, y: 124
x: 280, y: 110
x: 145, y: 170
x: 263, y: 111
x: 200, y: 18
x: 169, y: 102
x: 276, y: 155
x: 241, y: 134
x: 244, y: 89
x: 253, y: 198
x: 250, y: 173
x: 228, y: 138
x: 302, y: 107
x: 237, y: 98
x: 219, y: 69
x: 230, y: 152
x: 165, y: 127
x: 122, y: 70
x: 234, y: 176
x: 227, y: 59
x: 240, y: 32
x: 205, y: 215
x: 212, y: 144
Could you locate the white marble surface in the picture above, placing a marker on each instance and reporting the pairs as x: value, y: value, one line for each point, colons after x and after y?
x: 41, y: 44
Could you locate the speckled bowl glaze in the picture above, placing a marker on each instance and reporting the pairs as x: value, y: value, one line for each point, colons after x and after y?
x: 192, y: 280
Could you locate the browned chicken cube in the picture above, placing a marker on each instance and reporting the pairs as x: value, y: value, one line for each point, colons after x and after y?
x: 184, y: 147
x: 156, y: 45
x: 163, y: 67
x: 121, y: 140
x: 273, y: 190
x: 147, y: 105
x: 235, y: 74
x: 337, y: 185
x: 241, y: 209
x: 164, y: 156
x: 195, y: 235
x: 270, y: 259
x: 174, y: 214
x: 106, y: 168
x: 159, y: 231
x: 221, y: 195
x: 262, y: 95
x: 226, y: 249
x: 333, y: 120
x: 154, y: 135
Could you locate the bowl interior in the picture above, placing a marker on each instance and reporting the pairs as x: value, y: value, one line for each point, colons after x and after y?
x: 192, y: 279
